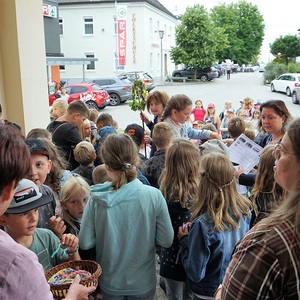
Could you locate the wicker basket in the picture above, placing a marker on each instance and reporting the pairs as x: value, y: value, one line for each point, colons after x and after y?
x: 59, y: 291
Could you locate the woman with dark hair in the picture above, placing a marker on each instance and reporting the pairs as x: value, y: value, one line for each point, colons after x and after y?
x: 274, y: 119
x: 266, y: 262
x: 155, y: 103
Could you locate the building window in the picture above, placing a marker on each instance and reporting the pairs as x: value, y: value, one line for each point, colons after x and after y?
x: 61, y: 28
x: 151, y: 61
x: 91, y: 66
x: 151, y: 27
x: 88, y: 25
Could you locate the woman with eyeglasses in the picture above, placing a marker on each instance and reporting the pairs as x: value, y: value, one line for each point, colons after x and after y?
x: 266, y: 262
x: 273, y: 122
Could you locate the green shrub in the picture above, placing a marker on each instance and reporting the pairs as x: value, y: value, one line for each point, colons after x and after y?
x: 273, y: 70
x: 292, y: 68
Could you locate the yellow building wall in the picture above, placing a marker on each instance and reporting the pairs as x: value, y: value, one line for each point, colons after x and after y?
x: 23, y: 76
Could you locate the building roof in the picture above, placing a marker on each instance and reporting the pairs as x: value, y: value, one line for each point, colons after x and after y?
x: 154, y: 3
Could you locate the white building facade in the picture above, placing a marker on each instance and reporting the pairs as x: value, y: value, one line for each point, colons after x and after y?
x: 89, y: 29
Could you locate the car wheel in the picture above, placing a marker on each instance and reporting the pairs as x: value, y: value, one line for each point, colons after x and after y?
x: 91, y: 104
x: 288, y: 92
x: 114, y: 99
x: 203, y: 77
x: 272, y: 88
x: 294, y: 98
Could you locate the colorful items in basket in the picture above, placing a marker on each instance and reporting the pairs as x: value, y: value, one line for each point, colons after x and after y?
x: 67, y: 275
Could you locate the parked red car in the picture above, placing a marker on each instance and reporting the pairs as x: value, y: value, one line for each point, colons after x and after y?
x: 92, y: 94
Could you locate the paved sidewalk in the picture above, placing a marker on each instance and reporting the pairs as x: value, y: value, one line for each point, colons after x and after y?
x: 160, y: 294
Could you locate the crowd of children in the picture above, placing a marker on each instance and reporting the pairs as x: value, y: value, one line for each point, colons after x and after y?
x: 92, y: 193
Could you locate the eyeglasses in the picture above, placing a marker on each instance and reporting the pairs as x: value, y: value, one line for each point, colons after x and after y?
x: 280, y: 149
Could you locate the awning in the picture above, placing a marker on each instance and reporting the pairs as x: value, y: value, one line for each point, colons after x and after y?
x: 61, y: 61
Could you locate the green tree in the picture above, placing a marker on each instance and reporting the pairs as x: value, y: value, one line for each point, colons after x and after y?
x: 197, y: 40
x: 286, y: 47
x: 244, y: 26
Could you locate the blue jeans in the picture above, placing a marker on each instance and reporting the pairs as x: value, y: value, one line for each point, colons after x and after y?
x: 177, y: 290
x: 148, y: 296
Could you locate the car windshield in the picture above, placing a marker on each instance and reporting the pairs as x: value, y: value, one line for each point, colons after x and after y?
x: 126, y: 81
x: 147, y: 76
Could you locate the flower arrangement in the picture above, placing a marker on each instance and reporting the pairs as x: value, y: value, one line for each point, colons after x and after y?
x: 139, y: 95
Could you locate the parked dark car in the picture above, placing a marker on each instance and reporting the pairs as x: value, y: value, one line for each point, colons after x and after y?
x: 220, y: 69
x: 92, y: 94
x: 119, y: 89
x: 144, y: 76
x: 203, y: 74
x: 296, y: 95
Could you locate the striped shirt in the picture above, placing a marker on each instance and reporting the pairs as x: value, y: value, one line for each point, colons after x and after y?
x: 265, y: 265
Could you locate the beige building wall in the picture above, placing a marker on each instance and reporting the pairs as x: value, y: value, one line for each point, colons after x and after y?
x: 23, y: 75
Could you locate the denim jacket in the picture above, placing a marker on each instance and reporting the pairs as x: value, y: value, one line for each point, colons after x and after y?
x: 206, y: 253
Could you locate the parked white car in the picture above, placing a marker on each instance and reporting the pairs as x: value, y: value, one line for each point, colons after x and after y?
x: 286, y: 83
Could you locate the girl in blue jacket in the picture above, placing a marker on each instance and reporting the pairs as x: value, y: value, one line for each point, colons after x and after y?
x: 221, y: 216
x: 124, y: 219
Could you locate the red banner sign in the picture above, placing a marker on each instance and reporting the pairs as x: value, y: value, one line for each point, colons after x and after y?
x: 122, y: 16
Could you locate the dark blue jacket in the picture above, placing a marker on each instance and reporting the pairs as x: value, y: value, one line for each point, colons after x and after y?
x: 206, y: 253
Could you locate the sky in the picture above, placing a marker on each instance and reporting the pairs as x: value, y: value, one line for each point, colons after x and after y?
x: 281, y: 17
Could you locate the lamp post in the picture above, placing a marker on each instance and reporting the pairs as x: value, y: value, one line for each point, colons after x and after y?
x: 161, y: 36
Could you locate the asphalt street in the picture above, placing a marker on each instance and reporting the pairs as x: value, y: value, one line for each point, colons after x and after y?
x: 217, y: 91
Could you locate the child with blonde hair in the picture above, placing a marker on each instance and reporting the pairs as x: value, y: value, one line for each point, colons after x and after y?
x: 266, y: 193
x: 74, y: 196
x: 85, y: 130
x: 153, y: 167
x: 221, y: 216
x: 93, y: 119
x: 179, y: 185
x: 100, y: 174
x: 58, y: 109
x: 85, y: 155
x: 212, y: 115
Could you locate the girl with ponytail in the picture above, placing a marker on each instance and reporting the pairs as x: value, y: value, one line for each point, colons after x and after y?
x: 124, y: 220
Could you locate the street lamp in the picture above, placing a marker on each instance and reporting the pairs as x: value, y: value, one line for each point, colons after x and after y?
x: 161, y: 36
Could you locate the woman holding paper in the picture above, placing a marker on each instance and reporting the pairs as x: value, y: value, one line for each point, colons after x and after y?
x: 273, y: 122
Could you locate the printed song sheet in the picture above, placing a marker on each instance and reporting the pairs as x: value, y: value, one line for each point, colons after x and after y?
x: 245, y: 152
